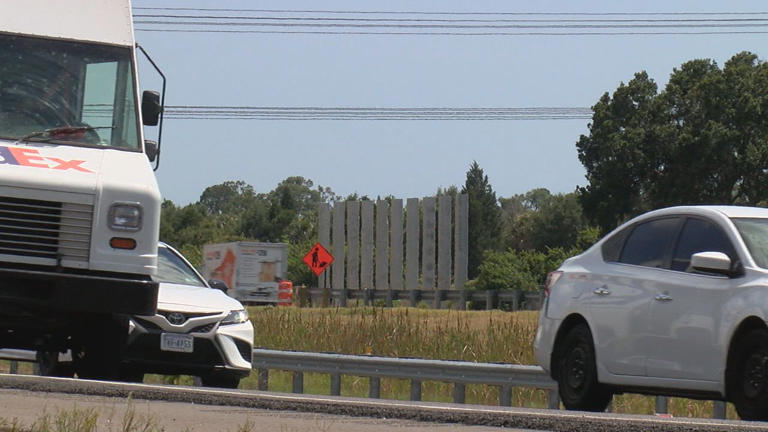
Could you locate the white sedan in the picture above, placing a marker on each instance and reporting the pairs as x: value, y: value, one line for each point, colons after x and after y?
x: 673, y: 302
x: 198, y: 330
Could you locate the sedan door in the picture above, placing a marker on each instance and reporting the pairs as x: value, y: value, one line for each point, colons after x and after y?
x: 685, y: 312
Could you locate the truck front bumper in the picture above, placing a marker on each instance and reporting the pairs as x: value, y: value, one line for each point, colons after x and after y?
x: 65, y: 291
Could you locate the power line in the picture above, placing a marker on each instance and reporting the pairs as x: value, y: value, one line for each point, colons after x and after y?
x: 360, y: 12
x: 204, y: 112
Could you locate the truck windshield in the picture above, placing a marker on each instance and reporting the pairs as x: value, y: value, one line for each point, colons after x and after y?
x: 83, y: 89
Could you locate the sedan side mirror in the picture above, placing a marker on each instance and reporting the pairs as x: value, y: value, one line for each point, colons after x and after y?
x: 219, y: 285
x: 150, y: 107
x: 713, y: 262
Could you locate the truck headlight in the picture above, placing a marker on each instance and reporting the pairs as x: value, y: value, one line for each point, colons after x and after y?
x: 236, y: 317
x: 125, y: 217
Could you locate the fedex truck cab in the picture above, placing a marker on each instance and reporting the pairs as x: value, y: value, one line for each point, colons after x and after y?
x: 79, y: 203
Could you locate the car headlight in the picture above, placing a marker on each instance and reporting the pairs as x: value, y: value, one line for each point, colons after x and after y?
x: 125, y: 217
x: 236, y: 317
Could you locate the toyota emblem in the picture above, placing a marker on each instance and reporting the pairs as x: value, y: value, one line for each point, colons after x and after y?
x: 176, y: 318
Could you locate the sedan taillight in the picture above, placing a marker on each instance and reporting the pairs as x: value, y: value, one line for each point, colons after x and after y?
x: 552, y: 278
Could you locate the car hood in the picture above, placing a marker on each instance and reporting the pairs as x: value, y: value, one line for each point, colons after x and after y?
x: 187, y: 298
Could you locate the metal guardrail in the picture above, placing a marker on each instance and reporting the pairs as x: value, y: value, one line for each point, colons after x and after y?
x: 460, y: 373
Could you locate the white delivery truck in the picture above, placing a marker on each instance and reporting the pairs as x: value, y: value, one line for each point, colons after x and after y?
x: 251, y: 270
x: 79, y: 203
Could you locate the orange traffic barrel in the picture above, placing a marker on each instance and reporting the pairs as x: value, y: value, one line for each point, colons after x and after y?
x: 284, y: 293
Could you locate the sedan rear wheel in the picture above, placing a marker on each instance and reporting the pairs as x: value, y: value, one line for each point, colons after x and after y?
x: 577, y: 374
x: 748, y: 376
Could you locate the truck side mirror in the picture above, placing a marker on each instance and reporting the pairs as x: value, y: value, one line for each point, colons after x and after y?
x: 150, y: 107
x: 150, y: 148
x: 219, y: 285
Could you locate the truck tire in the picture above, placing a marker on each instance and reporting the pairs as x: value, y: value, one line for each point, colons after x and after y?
x: 101, y: 342
x: 49, y: 365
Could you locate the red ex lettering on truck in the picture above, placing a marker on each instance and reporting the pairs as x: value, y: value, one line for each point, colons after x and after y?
x: 32, y: 158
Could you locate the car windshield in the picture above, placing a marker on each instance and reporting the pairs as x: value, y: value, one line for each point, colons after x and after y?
x: 754, y: 232
x: 171, y: 268
x: 67, y: 92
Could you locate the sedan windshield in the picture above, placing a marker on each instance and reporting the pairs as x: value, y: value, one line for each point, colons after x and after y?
x: 172, y: 269
x: 754, y: 232
x: 67, y: 92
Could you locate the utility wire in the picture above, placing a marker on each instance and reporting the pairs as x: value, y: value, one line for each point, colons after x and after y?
x: 204, y: 112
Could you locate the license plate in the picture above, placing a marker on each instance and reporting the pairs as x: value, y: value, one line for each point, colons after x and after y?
x: 177, y: 342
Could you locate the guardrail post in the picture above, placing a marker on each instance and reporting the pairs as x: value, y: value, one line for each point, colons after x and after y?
x: 343, y: 297
x: 553, y: 399
x: 389, y: 299
x: 463, y: 300
x: 415, y: 390
x: 438, y: 301
x: 719, y: 410
x: 368, y: 300
x: 298, y: 382
x: 325, y: 297
x: 661, y: 405
x: 374, y: 387
x: 14, y: 367
x: 459, y: 393
x: 413, y: 298
x: 262, y: 379
x: 335, y: 385
x: 490, y: 299
x: 505, y: 395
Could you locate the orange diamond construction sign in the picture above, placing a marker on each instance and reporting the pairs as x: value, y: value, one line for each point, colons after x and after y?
x: 317, y: 259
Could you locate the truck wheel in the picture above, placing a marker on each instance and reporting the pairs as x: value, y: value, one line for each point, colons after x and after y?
x: 49, y: 365
x: 101, y: 344
x: 220, y: 379
x: 577, y: 374
x: 748, y: 376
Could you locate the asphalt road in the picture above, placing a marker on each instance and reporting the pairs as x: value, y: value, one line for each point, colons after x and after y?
x: 180, y: 408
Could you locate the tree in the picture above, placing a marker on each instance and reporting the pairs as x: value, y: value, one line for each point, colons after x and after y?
x: 703, y: 139
x: 540, y: 221
x: 484, y: 217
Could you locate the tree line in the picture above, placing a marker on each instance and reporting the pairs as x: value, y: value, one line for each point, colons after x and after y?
x: 703, y: 139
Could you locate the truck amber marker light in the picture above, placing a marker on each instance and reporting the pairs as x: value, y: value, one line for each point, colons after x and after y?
x: 122, y: 243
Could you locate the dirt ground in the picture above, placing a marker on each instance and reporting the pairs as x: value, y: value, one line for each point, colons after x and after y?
x: 29, y: 407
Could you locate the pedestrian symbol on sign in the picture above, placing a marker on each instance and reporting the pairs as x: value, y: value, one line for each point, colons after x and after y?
x: 317, y: 259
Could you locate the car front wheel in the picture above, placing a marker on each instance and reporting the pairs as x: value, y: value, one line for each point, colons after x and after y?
x: 748, y: 376
x: 577, y: 374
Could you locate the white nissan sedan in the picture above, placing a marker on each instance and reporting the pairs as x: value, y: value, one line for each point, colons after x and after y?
x: 673, y: 302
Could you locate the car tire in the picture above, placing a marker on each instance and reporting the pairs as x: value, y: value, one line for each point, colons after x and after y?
x: 220, y: 379
x: 577, y: 374
x: 748, y: 376
x: 48, y: 364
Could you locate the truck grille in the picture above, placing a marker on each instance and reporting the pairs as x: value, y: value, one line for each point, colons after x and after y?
x: 45, y: 229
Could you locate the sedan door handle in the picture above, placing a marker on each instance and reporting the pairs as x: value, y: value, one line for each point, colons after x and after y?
x: 663, y: 298
x: 602, y: 291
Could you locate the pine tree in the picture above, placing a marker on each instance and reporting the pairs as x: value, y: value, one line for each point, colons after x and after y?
x: 484, y: 217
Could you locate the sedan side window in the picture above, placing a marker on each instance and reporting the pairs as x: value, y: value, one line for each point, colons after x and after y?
x: 650, y: 243
x: 699, y: 236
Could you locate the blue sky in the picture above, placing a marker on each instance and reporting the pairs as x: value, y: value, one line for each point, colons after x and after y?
x: 403, y: 158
